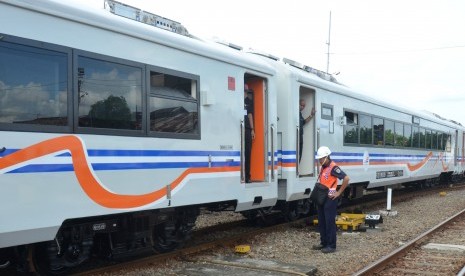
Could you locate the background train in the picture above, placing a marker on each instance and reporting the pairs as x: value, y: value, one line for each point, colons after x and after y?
x: 117, y: 126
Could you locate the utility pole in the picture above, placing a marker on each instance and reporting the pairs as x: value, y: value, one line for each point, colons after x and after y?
x: 328, y: 43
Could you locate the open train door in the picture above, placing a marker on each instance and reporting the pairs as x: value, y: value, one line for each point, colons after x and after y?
x: 306, y: 166
x: 259, y: 157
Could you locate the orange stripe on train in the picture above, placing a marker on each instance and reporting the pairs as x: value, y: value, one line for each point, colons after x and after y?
x: 85, y: 175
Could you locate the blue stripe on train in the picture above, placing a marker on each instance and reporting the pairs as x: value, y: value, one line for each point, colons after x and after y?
x: 106, y: 153
x: 121, y: 166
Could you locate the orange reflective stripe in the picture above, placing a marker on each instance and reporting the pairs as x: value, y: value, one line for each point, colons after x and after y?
x: 326, y: 178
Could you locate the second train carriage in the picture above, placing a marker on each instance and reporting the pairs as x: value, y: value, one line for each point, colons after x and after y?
x: 378, y: 144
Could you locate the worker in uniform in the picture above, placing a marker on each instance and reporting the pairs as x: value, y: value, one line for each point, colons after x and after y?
x: 329, y: 176
x: 249, y: 129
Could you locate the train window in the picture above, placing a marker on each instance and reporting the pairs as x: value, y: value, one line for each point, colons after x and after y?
x: 388, y: 133
x: 434, y: 140
x: 352, y: 118
x: 34, y: 85
x: 399, y: 134
x: 416, y: 137
x: 366, y: 130
x: 173, y: 104
x: 428, y: 139
x: 407, y: 136
x: 446, y: 142
x: 351, y: 128
x: 109, y: 94
x: 422, y: 138
x: 378, y: 131
x: 440, y: 141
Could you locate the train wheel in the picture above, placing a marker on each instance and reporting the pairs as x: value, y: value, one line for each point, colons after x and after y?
x: 164, y: 237
x: 42, y: 255
x: 171, y: 235
x: 306, y: 207
x: 60, y: 257
x: 251, y: 216
x: 291, y: 212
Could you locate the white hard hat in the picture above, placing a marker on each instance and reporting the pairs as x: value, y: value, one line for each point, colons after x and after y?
x: 322, y: 152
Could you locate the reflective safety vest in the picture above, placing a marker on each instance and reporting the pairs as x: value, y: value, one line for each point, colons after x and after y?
x: 327, y: 179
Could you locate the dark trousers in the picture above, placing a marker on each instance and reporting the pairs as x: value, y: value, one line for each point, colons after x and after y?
x: 248, y: 152
x: 327, y: 223
x: 301, y: 144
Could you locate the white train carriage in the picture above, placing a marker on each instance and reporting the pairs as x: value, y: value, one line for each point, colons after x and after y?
x: 378, y: 144
x: 115, y: 132
x: 110, y: 125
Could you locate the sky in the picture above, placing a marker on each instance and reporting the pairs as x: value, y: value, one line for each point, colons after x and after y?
x: 405, y: 52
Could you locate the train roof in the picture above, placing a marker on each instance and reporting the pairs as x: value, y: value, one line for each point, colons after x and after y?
x: 102, y: 18
x: 320, y: 79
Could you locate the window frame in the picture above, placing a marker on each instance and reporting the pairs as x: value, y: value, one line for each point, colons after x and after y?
x: 50, y: 47
x: 175, y: 73
x: 353, y: 125
x: 107, y: 131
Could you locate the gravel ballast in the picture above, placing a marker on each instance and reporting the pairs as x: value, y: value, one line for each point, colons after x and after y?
x: 355, y: 250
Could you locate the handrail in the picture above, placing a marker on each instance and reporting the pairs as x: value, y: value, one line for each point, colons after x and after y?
x: 272, y: 151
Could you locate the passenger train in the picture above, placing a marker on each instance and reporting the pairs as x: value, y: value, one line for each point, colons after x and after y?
x: 117, y: 126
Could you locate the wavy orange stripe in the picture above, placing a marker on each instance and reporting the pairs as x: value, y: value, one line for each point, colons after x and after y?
x: 421, y: 163
x: 88, y: 181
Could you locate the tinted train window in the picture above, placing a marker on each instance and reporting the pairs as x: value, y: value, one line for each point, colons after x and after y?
x: 33, y: 85
x: 399, y: 131
x: 351, y: 129
x: 388, y: 133
x: 416, y: 137
x: 446, y: 142
x: 422, y: 137
x: 378, y: 131
x: 173, y: 105
x: 436, y: 140
x: 407, y: 135
x: 109, y: 94
x: 428, y: 139
x: 366, y: 133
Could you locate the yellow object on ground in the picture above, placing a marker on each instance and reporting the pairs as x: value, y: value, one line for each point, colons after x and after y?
x: 242, y: 248
x: 346, y: 221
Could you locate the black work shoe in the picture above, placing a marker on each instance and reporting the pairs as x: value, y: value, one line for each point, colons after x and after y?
x: 328, y: 250
x: 318, y: 247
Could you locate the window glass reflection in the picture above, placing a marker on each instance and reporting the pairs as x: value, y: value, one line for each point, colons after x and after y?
x: 33, y: 85
x: 110, y: 95
x: 173, y: 105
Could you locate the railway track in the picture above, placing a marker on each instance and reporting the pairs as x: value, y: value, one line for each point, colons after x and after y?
x: 233, y: 233
x: 216, y: 236
x: 193, y: 248
x: 439, y: 251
